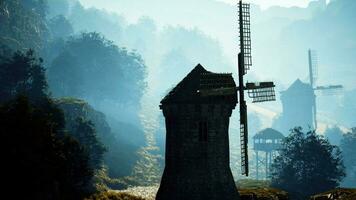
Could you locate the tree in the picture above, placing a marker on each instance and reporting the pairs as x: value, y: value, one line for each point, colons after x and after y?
x: 348, y: 146
x: 23, y: 24
x: 41, y: 160
x: 308, y: 164
x: 84, y: 131
x: 60, y: 27
x: 91, y: 67
x: 22, y: 74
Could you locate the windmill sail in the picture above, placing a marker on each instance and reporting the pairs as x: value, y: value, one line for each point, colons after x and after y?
x: 245, y: 35
x: 313, y: 66
x: 245, y: 62
x: 313, y: 74
x: 259, y: 92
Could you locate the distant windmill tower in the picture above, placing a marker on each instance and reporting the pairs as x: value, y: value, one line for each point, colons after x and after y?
x: 299, y: 100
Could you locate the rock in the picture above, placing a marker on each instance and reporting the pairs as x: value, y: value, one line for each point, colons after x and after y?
x: 336, y: 194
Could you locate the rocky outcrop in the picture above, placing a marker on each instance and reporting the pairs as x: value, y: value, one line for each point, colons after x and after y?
x: 337, y: 194
x: 263, y: 194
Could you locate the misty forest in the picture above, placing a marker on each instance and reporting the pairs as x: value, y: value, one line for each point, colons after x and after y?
x: 145, y: 100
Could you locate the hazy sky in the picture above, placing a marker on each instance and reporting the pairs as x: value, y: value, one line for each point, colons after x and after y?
x: 264, y: 3
x: 268, y: 3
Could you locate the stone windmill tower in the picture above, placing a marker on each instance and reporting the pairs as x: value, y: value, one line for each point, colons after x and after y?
x: 197, y: 114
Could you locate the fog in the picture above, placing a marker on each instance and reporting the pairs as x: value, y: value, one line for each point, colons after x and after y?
x: 280, y: 39
x: 174, y: 36
x: 112, y: 62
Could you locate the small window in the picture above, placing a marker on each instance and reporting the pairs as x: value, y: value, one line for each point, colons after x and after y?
x: 203, y: 131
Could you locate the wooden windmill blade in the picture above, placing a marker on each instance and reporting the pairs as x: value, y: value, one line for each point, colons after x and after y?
x: 313, y: 73
x: 313, y: 66
x: 243, y: 120
x: 245, y: 63
x: 259, y: 92
x: 245, y: 35
x: 330, y: 89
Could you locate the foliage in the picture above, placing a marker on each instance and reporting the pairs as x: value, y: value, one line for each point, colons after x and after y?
x: 22, y: 74
x: 102, y: 180
x: 111, y: 195
x: 348, y: 146
x: 307, y: 164
x: 93, y: 68
x: 23, y: 24
x: 121, y: 147
x: 251, y: 184
x: 147, y: 171
x: 263, y: 194
x: 39, y: 155
x: 60, y: 27
x: 96, y: 20
x: 84, y: 132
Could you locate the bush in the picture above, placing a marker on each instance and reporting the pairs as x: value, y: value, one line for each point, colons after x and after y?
x: 40, y: 159
x: 307, y: 164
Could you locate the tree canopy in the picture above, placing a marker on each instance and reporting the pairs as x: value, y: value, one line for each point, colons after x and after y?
x: 39, y: 155
x: 60, y: 27
x: 23, y: 24
x: 307, y: 164
x: 93, y: 68
x: 348, y: 146
x: 23, y: 74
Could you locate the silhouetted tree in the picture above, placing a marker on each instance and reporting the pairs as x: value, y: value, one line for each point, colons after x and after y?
x: 22, y: 74
x: 348, y: 147
x: 84, y: 132
x: 93, y: 68
x: 41, y: 160
x: 307, y: 164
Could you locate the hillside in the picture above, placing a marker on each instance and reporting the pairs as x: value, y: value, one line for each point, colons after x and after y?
x: 121, y: 155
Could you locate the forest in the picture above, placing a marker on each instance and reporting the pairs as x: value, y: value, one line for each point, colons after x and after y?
x: 80, y: 89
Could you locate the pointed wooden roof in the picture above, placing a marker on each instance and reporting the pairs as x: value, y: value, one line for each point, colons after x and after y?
x: 299, y: 87
x: 190, y: 89
x: 269, y: 133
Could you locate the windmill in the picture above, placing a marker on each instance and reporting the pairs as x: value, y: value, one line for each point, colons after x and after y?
x: 313, y: 75
x: 259, y: 92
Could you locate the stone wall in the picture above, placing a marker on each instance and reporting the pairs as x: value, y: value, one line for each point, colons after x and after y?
x: 197, y: 168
